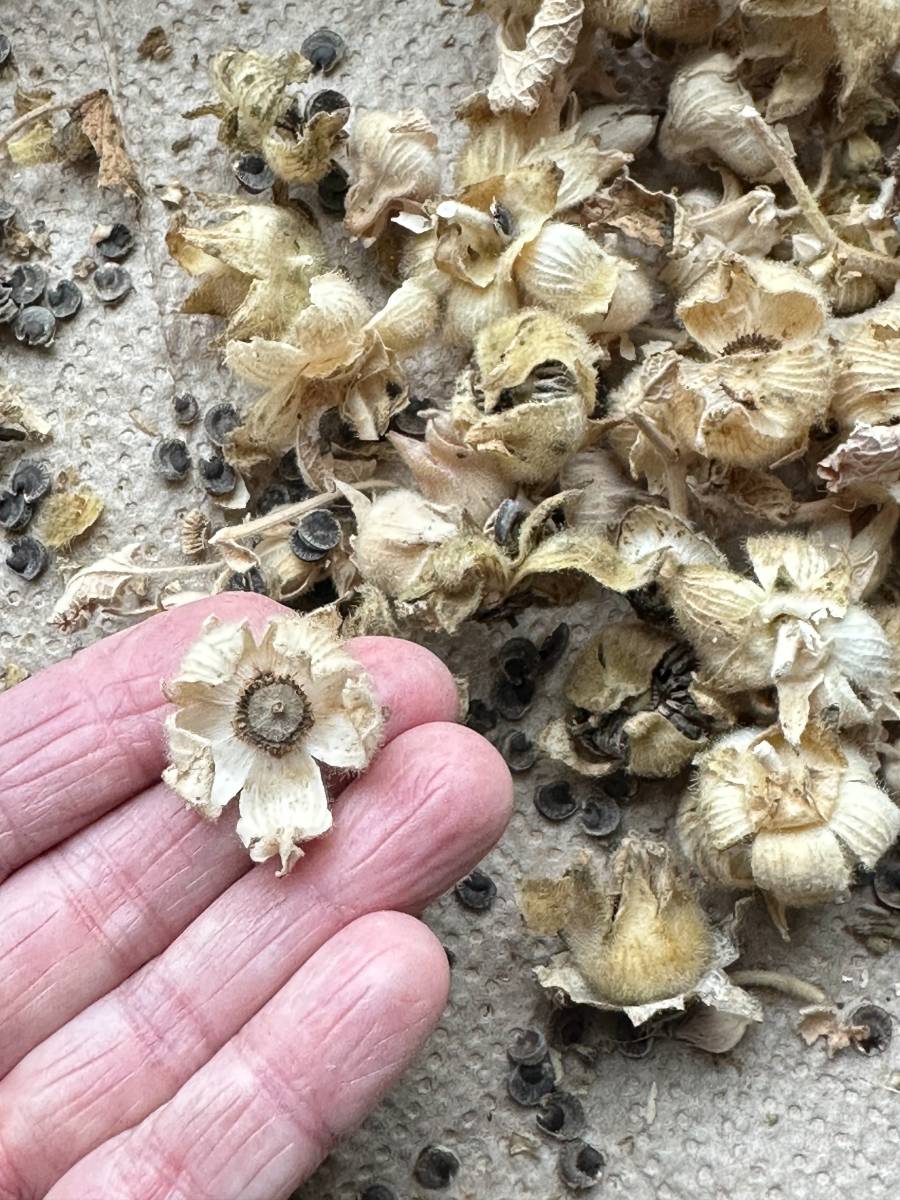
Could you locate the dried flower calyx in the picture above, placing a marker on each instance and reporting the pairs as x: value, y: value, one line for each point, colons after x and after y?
x: 638, y: 941
x: 260, y: 719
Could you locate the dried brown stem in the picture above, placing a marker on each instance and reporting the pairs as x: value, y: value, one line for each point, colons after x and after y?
x: 36, y: 114
x: 780, y: 981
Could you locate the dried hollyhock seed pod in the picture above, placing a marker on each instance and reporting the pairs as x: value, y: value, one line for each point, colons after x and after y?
x: 580, y: 1165
x: 317, y: 533
x: 332, y: 189
x: 15, y: 511
x: 324, y: 48
x: 326, y: 101
x: 253, y: 173
x: 436, y: 1167
x: 555, y: 800
x: 116, y: 241
x: 519, y: 751
x: 64, y: 299
x: 31, y: 479
x: 219, y: 477
x: 879, y: 1024
x: 111, y: 283
x: 185, y: 408
x: 27, y: 284
x: 527, y: 1047
x: 28, y: 558
x: 171, y: 459
x: 528, y: 1082
x: 35, y: 326
x: 393, y: 158
x: 219, y: 421
x: 561, y: 1116
x: 477, y: 891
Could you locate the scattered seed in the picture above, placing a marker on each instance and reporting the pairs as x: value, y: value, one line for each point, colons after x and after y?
x: 324, y: 48
x: 5, y: 49
x: 111, y: 283
x: 117, y: 243
x: 35, y: 325
x: 620, y: 785
x: 480, y: 717
x: 27, y: 557
x: 409, y: 420
x: 600, y: 816
x: 528, y: 1082
x: 555, y: 800
x: 451, y: 957
x: 519, y: 751
x: 185, y: 408
x: 580, y: 1165
x: 274, y: 496
x: 436, y: 1168
x: 289, y: 468
x: 31, y: 479
x: 507, y: 519
x: 64, y: 299
x: 333, y: 188
x: 15, y: 511
x: 519, y: 660
x: 477, y: 891
x: 253, y: 173
x: 327, y: 100
x: 171, y: 459
x: 553, y: 647
x: 570, y: 1026
x: 527, y: 1047
x: 561, y: 1116
x: 247, y: 581
x: 27, y: 283
x: 378, y: 1191
x: 886, y: 883
x: 316, y: 534
x: 650, y: 604
x: 219, y: 477
x: 219, y: 422
x: 513, y: 701
x: 631, y: 1042
x: 880, y: 1026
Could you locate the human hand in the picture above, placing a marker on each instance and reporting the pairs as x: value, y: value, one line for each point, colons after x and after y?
x: 175, y: 1022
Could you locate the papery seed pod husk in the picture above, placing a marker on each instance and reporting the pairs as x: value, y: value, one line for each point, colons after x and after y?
x: 606, y: 491
x: 251, y: 87
x: 638, y: 941
x: 452, y: 474
x: 792, y: 821
x: 565, y: 270
x: 393, y: 157
x: 702, y: 122
x: 528, y: 406
x: 867, y: 380
x: 395, y: 533
x: 306, y: 158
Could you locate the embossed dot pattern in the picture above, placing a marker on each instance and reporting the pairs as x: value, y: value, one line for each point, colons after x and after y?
x: 773, y: 1120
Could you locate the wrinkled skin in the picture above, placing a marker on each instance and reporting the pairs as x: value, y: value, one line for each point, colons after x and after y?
x: 176, y: 1024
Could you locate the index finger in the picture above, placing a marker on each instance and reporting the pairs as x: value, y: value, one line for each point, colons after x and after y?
x: 87, y: 734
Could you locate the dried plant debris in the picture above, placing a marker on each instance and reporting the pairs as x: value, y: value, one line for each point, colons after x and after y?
x: 868, y: 1028
x: 637, y: 940
x: 260, y: 719
x: 68, y: 514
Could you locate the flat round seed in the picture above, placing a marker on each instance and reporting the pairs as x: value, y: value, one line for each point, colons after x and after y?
x: 619, y: 785
x: 477, y: 891
x: 64, y: 299
x: 480, y: 717
x: 275, y: 496
x: 526, y: 1047
x: 600, y: 816
x: 553, y: 647
x: 27, y: 557
x: 247, y: 581
x: 555, y: 801
x: 27, y: 284
x: 35, y: 326
x: 5, y: 49
x: 9, y: 310
x: 887, y: 882
x: 519, y: 751
x: 435, y: 1168
x: 288, y: 467
x: 31, y: 479
x: 408, y: 420
x: 185, y: 408
x: 171, y: 459
x: 511, y: 701
x: 15, y: 511
x: 319, y: 529
x: 253, y: 173
x: 580, y: 1165
x: 880, y: 1025
x: 528, y: 1082
x: 324, y: 48
x: 327, y: 100
x: 519, y: 660
x: 111, y: 283
x: 332, y: 189
x: 507, y: 520
x: 561, y: 1116
x: 117, y: 243
x: 219, y: 421
x: 219, y: 477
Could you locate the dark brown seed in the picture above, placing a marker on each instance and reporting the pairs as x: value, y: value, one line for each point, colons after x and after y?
x: 247, y: 581
x: 519, y: 751
x: 185, y: 408
x: 561, y: 1116
x: 887, y: 882
x: 111, y: 283
x: 513, y: 702
x: 332, y: 189
x: 553, y: 647
x: 316, y: 534
x: 275, y: 496
x: 620, y: 785
x: 253, y: 173
x: 555, y: 801
x: 64, y: 299
x: 880, y: 1026
x: 219, y: 477
x: 31, y: 479
x: 481, y: 718
x: 435, y: 1168
x: 528, y: 1082
x: 27, y: 557
x: 580, y: 1165
x: 327, y: 100
x: 507, y: 520
x: 35, y: 326
x: 324, y: 48
x: 477, y: 891
x: 219, y: 421
x: 519, y: 660
x: 118, y: 243
x: 600, y: 816
x: 526, y: 1047
x: 27, y: 283
x: 15, y: 511
x: 171, y: 459
x: 409, y: 420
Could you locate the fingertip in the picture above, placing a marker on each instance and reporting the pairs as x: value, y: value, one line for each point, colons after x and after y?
x: 414, y: 684
x: 481, y: 775
x: 408, y: 962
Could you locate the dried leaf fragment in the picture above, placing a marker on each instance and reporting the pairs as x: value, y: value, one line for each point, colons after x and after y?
x: 101, y: 126
x: 524, y: 75
x: 66, y: 515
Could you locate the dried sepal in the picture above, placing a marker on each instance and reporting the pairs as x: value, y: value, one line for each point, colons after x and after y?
x: 99, y: 124
x: 450, y: 473
x: 529, y: 60
x: 828, y: 1022
x: 260, y: 719
x: 395, y: 533
x: 638, y: 940
x: 867, y: 380
x: 393, y: 159
x: 306, y: 156
x: 251, y: 90
x: 868, y: 461
x: 792, y: 820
